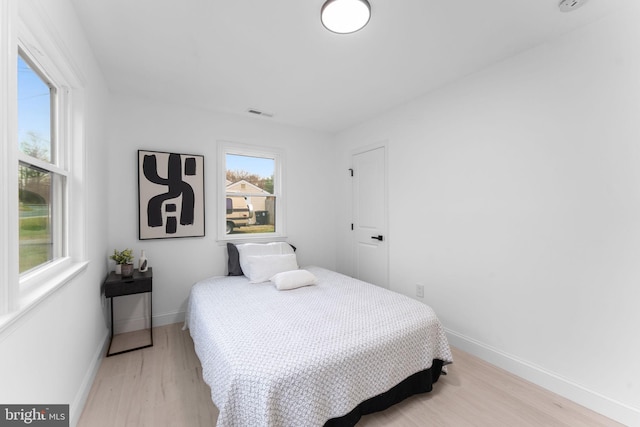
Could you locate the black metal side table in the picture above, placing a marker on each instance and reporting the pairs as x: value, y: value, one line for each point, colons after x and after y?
x: 116, y: 286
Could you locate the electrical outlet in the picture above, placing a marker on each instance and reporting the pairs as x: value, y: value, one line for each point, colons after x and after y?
x: 420, y: 291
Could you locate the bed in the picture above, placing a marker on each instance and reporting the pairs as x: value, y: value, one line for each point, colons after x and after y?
x: 323, y: 353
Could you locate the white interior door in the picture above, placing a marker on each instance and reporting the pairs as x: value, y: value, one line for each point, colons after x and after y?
x: 370, y: 216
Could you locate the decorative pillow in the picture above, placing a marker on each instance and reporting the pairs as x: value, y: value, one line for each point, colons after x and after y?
x: 256, y: 249
x: 234, y: 260
x: 264, y: 267
x: 293, y: 279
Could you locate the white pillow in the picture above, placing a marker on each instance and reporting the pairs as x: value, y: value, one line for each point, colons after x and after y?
x: 264, y: 267
x: 293, y: 279
x: 246, y: 250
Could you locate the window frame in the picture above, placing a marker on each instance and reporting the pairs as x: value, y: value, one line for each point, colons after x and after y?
x: 24, y: 32
x: 228, y: 147
x: 58, y: 167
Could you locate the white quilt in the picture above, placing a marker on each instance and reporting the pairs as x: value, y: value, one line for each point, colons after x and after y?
x: 301, y: 357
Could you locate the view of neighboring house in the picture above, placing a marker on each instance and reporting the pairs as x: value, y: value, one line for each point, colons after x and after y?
x: 248, y: 204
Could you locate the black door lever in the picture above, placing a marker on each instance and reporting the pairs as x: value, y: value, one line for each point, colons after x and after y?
x: 378, y: 237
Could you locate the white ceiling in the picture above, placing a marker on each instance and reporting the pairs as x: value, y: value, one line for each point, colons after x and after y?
x: 276, y: 56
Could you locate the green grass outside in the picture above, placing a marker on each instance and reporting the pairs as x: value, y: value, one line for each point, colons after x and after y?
x: 34, y: 227
x: 35, y: 242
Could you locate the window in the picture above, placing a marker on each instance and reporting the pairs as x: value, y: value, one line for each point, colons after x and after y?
x: 41, y: 163
x: 41, y: 179
x: 251, y: 192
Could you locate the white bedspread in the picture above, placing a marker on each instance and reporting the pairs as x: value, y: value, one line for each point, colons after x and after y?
x: 304, y: 356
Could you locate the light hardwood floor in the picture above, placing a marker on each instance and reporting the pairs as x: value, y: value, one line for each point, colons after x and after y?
x: 162, y: 386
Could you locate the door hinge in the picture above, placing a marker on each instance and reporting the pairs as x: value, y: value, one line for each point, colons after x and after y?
x: 351, y: 171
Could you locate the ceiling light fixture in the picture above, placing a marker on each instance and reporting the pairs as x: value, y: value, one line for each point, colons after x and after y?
x: 345, y: 16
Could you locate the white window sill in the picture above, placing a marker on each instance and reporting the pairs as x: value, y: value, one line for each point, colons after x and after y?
x: 34, y: 295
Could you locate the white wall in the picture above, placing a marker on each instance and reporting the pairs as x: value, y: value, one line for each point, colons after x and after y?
x: 524, y: 182
x: 177, y: 264
x: 526, y: 215
x: 50, y: 354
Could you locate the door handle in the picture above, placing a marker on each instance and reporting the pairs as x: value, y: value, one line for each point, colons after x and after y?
x: 378, y: 237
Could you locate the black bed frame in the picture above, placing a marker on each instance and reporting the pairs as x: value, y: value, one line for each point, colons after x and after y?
x: 420, y: 382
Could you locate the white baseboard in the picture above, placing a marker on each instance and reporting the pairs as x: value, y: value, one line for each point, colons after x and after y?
x: 135, y: 324
x: 168, y: 318
x: 75, y: 409
x: 597, y: 402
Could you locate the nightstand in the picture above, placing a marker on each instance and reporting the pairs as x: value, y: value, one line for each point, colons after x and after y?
x: 116, y: 286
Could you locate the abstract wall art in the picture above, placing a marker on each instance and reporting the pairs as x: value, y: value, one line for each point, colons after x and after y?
x: 170, y: 195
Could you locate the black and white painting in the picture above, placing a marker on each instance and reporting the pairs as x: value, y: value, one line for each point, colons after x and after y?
x: 170, y: 195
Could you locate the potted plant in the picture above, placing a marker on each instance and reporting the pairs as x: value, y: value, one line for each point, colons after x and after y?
x: 124, y: 262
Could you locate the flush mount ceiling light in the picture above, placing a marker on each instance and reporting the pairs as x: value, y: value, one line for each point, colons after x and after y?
x: 345, y: 16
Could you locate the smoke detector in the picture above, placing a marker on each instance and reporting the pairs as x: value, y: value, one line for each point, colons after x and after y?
x: 569, y: 5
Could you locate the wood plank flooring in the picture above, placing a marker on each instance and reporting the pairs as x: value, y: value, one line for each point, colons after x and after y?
x: 162, y: 386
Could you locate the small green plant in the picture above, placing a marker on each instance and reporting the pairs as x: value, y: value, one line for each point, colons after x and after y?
x: 124, y: 257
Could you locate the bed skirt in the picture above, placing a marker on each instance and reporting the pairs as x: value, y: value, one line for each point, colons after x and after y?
x: 420, y: 382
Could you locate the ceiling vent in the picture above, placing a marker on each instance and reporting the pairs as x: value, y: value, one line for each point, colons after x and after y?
x: 259, y: 113
x: 569, y: 5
